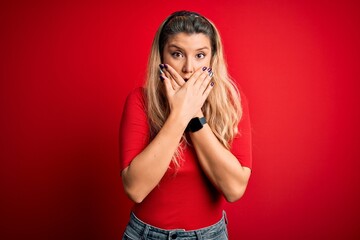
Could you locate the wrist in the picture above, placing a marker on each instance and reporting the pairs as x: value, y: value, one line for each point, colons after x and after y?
x: 178, y: 120
x: 199, y: 114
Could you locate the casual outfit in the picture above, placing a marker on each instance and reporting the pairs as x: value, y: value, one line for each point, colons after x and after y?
x: 184, y: 198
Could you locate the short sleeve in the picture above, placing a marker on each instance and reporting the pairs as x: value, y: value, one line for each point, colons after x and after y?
x: 242, y: 144
x: 134, y: 129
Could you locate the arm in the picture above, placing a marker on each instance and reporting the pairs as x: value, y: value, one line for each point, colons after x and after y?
x: 220, y: 165
x: 229, y: 171
x: 149, y: 166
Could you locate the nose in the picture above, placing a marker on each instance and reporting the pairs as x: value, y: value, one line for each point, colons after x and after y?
x: 188, y: 66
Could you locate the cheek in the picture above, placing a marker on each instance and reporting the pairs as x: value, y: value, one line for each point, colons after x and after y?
x: 204, y: 63
x: 168, y: 60
x: 208, y: 61
x: 174, y: 64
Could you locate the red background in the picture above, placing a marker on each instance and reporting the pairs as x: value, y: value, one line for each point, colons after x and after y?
x: 67, y: 67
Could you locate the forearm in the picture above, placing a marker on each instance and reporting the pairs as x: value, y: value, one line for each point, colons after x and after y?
x: 148, y: 167
x: 220, y: 165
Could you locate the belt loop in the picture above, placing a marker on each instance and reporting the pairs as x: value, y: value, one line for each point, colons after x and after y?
x: 225, y: 217
x: 146, y: 231
x: 198, y: 235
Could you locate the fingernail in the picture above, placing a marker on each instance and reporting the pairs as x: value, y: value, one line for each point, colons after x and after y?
x: 165, y: 65
x: 211, y: 74
x: 212, y: 84
x: 161, y: 72
x: 162, y: 78
x: 161, y: 66
x: 209, y: 69
x: 204, y: 68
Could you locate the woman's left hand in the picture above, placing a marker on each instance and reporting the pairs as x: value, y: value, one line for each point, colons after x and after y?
x: 176, y: 81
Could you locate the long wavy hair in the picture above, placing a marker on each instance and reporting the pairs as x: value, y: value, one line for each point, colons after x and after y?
x: 222, y: 108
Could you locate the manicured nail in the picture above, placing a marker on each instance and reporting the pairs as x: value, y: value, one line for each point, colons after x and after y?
x: 212, y: 84
x: 209, y: 69
x: 161, y: 66
x: 161, y: 72
x: 211, y: 74
x: 165, y: 65
x: 162, y: 78
x: 204, y: 68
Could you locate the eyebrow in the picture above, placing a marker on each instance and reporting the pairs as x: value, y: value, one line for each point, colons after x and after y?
x: 203, y: 48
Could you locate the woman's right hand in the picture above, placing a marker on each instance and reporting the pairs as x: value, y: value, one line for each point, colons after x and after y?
x: 187, y: 98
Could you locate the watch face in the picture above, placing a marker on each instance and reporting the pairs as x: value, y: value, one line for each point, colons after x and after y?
x: 195, y: 124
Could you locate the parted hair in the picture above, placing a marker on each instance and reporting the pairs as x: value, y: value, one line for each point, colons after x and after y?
x: 222, y: 108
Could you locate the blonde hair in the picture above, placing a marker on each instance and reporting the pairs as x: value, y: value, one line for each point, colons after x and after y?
x: 222, y: 108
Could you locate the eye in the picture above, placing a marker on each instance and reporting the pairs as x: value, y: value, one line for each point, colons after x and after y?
x: 177, y: 54
x: 200, y: 55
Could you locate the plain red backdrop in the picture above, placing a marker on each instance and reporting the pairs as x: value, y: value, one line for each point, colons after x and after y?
x: 67, y: 66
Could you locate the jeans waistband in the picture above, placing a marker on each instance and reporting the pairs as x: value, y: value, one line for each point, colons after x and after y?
x: 148, y: 231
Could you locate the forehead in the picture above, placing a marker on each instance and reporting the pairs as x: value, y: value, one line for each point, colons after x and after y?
x: 189, y: 41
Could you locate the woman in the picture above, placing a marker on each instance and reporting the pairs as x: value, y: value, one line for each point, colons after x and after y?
x: 185, y: 137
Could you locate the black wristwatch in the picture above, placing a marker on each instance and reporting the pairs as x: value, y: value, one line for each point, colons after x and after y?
x: 196, y: 124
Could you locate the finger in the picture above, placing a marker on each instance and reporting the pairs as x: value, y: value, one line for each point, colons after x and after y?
x: 203, y: 80
x: 208, y: 90
x: 165, y: 73
x: 168, y: 86
x: 173, y: 82
x: 174, y: 74
x: 196, y: 75
x: 205, y: 83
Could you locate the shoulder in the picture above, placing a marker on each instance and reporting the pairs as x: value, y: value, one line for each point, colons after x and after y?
x: 138, y: 92
x: 136, y: 97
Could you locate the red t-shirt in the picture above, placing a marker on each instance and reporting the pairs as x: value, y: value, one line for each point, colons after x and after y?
x: 185, y: 199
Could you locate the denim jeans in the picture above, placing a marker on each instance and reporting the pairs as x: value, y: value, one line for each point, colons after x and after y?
x: 136, y: 230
